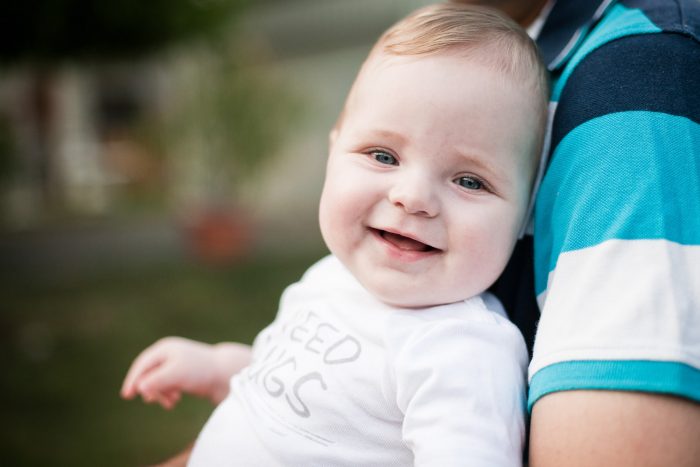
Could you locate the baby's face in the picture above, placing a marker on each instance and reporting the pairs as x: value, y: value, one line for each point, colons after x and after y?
x: 428, y: 178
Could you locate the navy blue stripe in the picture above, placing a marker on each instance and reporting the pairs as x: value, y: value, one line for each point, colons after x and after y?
x: 566, y: 17
x: 671, y: 15
x: 652, y: 72
x: 516, y: 290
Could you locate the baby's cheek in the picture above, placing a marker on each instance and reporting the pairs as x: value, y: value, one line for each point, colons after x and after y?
x: 487, y: 258
x: 501, y: 249
x: 325, y: 217
x: 336, y: 220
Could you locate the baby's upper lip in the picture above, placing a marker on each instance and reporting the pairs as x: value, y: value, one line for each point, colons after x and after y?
x: 381, y: 230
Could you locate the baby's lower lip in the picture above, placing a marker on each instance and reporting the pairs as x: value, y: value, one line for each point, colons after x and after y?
x: 404, y: 247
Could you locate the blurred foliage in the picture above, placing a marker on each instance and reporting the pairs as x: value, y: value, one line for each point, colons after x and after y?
x: 237, y: 112
x: 52, y: 30
x: 256, y: 113
x: 67, y: 342
x: 227, y: 118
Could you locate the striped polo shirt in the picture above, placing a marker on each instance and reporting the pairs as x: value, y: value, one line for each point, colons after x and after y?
x: 617, y: 214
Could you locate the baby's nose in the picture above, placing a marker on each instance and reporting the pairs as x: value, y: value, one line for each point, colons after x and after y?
x: 415, y: 195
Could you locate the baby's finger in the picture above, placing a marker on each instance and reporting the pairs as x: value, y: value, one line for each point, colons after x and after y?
x: 144, y: 363
x: 160, y: 379
x: 168, y: 400
x: 158, y: 398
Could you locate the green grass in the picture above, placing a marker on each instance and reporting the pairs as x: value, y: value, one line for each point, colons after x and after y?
x: 65, y: 346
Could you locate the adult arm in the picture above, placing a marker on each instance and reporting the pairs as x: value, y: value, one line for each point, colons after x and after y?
x: 613, y: 428
x: 617, y: 254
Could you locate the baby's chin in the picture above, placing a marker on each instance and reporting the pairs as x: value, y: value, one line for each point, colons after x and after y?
x: 405, y: 291
x: 411, y: 299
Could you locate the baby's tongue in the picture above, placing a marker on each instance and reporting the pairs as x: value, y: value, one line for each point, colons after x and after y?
x: 404, y: 243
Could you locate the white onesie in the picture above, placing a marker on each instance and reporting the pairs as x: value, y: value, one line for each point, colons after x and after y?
x: 341, y: 379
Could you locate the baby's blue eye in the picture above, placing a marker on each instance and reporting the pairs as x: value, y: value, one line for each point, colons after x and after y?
x: 384, y: 157
x: 470, y: 183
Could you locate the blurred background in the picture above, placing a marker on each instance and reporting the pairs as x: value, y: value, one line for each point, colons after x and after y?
x: 160, y: 168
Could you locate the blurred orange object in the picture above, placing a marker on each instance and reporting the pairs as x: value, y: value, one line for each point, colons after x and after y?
x: 218, y: 235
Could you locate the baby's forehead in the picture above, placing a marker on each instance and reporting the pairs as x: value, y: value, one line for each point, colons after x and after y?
x: 456, y: 60
x: 387, y: 88
x: 386, y: 73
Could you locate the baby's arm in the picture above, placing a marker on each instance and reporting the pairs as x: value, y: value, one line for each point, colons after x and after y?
x: 461, y: 386
x: 173, y: 365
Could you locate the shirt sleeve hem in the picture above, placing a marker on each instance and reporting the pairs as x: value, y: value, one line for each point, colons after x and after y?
x: 672, y: 378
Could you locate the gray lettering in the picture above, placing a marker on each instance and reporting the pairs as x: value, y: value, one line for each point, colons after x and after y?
x: 316, y: 338
x: 277, y: 385
x: 300, y: 329
x: 260, y: 366
x: 302, y: 409
x: 345, y: 350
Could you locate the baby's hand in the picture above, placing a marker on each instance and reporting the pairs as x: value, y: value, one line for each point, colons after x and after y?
x: 173, y: 365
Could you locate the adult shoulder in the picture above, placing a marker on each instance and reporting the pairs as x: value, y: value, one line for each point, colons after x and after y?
x: 655, y: 72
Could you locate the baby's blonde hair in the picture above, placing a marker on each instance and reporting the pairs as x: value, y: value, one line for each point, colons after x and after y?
x: 477, y: 33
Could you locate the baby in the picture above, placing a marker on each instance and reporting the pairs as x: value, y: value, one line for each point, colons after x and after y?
x: 388, y: 351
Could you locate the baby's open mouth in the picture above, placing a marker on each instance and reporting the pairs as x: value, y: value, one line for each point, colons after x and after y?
x: 404, y: 243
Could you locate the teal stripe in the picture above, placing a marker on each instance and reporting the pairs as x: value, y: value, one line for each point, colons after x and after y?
x: 627, y: 176
x: 619, y: 22
x: 617, y: 375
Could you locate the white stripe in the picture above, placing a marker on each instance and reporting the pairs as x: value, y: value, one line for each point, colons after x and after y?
x: 575, y: 38
x: 622, y: 300
x: 565, y: 51
x: 536, y: 26
x: 601, y: 9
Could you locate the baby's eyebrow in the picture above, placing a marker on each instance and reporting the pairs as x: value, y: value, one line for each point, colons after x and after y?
x: 383, y: 133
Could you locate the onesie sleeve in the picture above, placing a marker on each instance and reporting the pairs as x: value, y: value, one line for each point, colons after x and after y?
x: 617, y: 223
x: 460, y: 384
